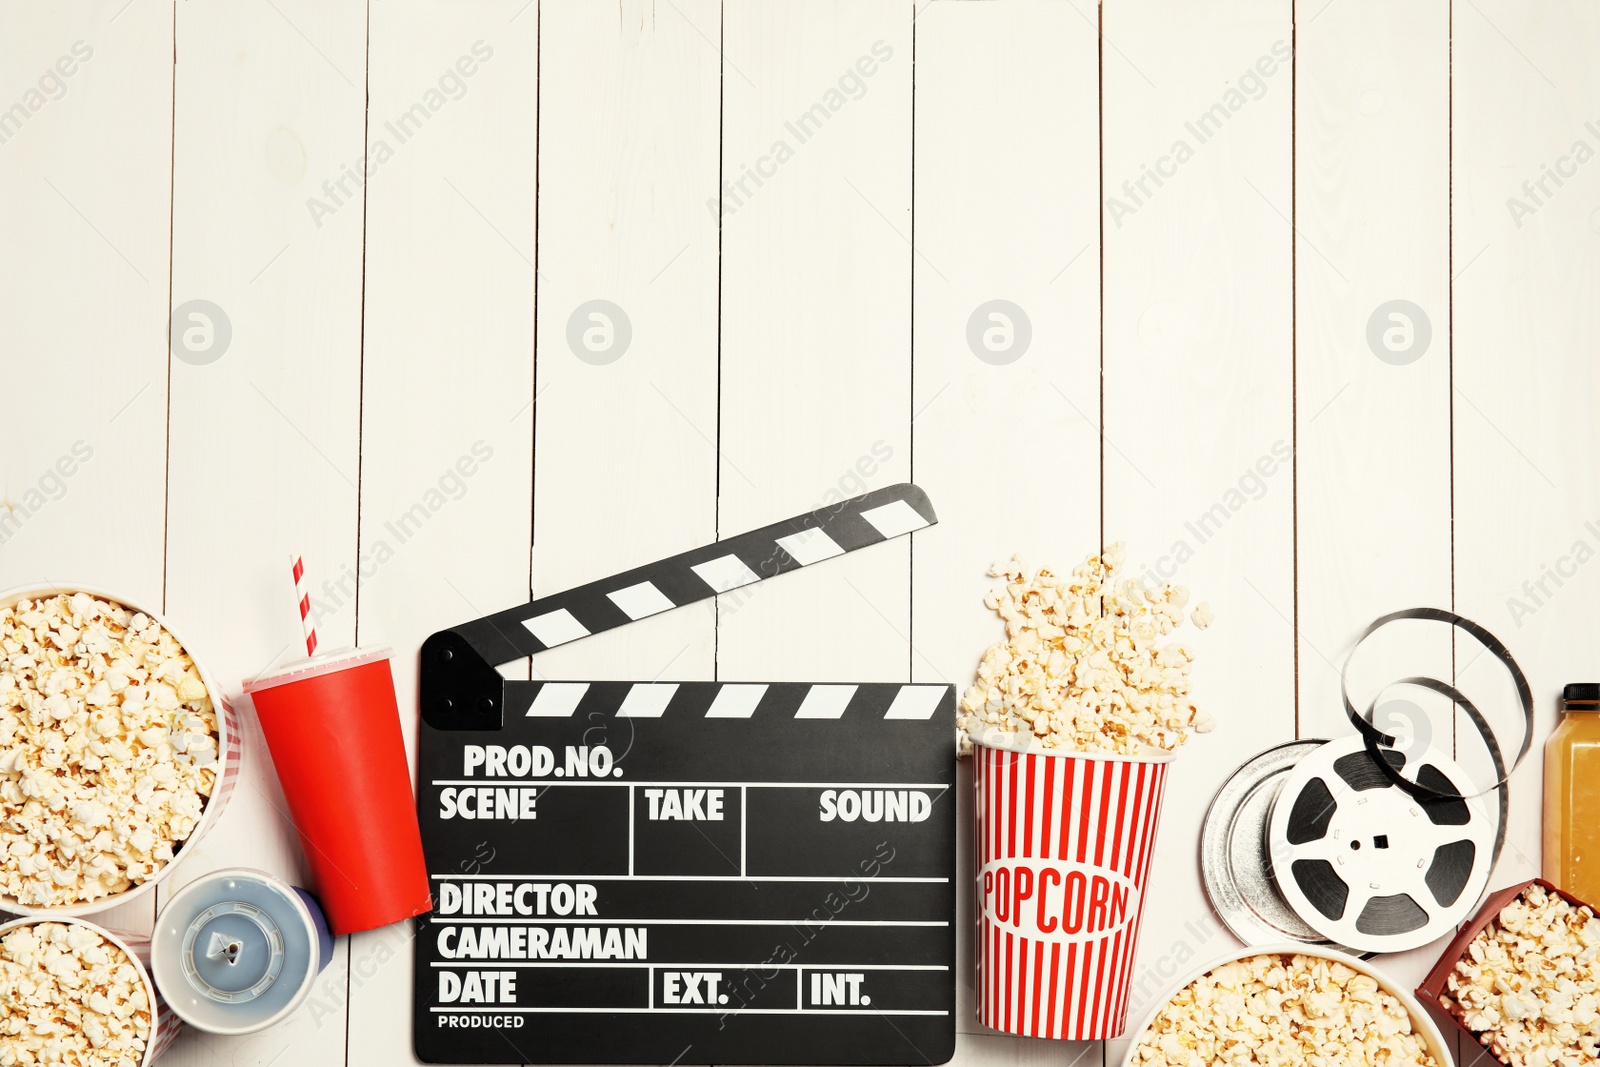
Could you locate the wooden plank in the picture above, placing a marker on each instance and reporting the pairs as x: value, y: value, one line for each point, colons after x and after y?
x: 1526, y: 469
x: 85, y: 143
x: 627, y: 371
x: 991, y: 418
x: 816, y: 317
x: 1198, y: 395
x: 85, y: 158
x: 264, y: 432
x: 1372, y: 400
x: 447, y: 413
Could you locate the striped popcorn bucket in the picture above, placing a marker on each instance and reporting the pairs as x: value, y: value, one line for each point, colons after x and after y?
x: 164, y: 1023
x: 1062, y: 848
x: 229, y: 758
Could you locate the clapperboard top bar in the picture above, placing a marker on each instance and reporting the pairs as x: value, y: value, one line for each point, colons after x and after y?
x: 462, y: 690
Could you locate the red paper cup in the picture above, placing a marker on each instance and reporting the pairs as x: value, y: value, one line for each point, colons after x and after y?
x: 1062, y: 850
x: 333, y: 726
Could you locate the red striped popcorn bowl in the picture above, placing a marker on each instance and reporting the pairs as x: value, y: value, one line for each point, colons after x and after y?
x: 1062, y: 847
x: 227, y: 768
x: 163, y: 1024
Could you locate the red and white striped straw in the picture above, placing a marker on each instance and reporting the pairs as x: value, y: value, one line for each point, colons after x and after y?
x: 305, y: 607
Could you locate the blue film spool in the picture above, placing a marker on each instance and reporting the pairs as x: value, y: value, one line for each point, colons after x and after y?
x: 237, y: 950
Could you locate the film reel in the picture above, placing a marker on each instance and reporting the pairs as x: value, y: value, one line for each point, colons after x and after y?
x: 1364, y: 862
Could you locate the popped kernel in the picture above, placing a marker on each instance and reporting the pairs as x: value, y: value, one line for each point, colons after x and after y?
x: 1529, y: 985
x: 70, y: 996
x: 108, y: 749
x: 1084, y: 666
x: 1272, y: 1009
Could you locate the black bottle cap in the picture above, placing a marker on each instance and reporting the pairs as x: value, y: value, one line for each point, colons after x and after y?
x: 1581, y: 693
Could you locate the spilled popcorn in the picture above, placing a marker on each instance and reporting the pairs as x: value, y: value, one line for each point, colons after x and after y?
x: 1529, y: 983
x: 67, y: 995
x: 108, y: 748
x: 1283, y: 1010
x: 1083, y: 667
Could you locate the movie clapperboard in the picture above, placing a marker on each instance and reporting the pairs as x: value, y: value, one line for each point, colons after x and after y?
x: 685, y: 872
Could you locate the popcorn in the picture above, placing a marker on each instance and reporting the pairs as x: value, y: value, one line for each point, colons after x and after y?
x: 1082, y: 667
x: 1529, y: 985
x: 68, y: 995
x: 108, y: 749
x: 1283, y: 1010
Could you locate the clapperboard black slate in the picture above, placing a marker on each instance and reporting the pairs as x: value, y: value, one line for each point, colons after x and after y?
x: 685, y: 872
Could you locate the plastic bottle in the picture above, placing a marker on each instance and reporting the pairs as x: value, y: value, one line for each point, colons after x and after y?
x: 1572, y: 795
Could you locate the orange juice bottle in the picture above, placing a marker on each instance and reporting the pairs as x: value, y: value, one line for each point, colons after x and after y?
x: 1572, y: 795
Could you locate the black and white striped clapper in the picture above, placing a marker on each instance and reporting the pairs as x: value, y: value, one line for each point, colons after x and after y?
x: 685, y: 872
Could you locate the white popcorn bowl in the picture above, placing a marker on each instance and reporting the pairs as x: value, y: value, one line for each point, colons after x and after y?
x: 1421, y: 1022
x: 227, y: 760
x: 164, y: 1024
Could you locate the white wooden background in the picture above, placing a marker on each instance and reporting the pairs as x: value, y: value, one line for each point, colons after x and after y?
x: 1185, y: 337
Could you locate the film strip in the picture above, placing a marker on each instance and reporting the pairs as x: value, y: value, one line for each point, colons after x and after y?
x: 1377, y: 741
x: 461, y: 690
